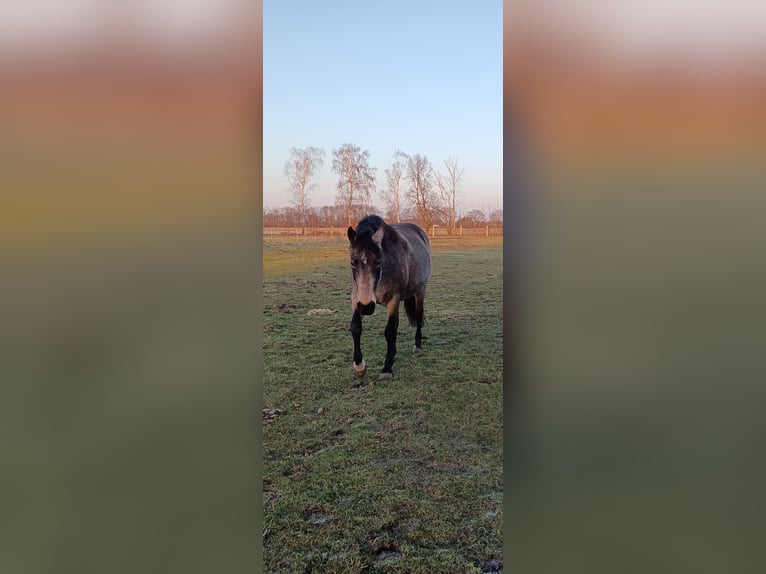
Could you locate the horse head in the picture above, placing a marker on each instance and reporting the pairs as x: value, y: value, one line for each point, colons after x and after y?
x: 366, y: 262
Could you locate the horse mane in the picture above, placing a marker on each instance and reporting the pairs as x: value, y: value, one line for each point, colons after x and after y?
x: 369, y: 225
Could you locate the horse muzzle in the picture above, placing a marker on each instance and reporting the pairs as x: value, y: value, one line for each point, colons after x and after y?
x: 367, y: 309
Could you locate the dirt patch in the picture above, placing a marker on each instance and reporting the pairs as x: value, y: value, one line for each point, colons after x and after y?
x: 270, y: 414
x: 389, y: 556
x: 316, y: 514
x: 382, y: 542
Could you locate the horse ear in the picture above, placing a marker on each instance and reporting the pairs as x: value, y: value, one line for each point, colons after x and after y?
x: 377, y: 237
x: 351, y: 234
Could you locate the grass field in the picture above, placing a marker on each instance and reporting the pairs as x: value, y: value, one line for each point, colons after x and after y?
x: 392, y: 476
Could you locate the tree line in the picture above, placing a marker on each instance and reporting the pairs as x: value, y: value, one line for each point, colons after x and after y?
x: 413, y: 191
x: 328, y: 216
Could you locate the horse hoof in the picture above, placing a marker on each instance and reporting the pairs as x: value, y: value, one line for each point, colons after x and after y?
x: 361, y: 369
x: 385, y: 376
x: 417, y: 349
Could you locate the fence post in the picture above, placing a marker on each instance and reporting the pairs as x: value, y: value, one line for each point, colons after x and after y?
x: 487, y: 230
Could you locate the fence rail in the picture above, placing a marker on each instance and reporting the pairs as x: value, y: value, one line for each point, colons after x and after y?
x: 340, y: 232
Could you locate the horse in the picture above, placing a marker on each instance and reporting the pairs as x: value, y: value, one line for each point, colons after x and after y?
x: 389, y: 264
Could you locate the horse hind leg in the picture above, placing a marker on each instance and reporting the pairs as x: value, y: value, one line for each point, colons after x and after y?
x: 419, y: 313
x: 415, y: 312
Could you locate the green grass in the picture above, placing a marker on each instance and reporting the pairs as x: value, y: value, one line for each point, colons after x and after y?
x: 394, y: 476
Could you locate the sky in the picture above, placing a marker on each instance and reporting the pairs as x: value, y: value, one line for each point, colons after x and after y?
x: 422, y: 77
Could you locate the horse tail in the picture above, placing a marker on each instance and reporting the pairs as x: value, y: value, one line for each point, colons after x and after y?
x: 409, y: 307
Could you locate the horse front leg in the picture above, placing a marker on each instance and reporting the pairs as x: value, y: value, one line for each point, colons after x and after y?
x: 392, y: 328
x: 360, y: 368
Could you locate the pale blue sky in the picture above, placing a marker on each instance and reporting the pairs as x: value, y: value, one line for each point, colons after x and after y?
x: 420, y: 76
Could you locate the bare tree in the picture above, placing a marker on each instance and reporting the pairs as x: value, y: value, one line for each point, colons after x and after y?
x: 326, y: 216
x: 289, y: 216
x: 356, y: 177
x: 476, y: 217
x: 496, y: 218
x: 419, y: 174
x: 409, y: 213
x: 393, y: 193
x: 449, y: 185
x: 270, y: 216
x: 300, y: 168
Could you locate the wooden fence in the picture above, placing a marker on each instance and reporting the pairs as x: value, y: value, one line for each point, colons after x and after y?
x: 340, y: 232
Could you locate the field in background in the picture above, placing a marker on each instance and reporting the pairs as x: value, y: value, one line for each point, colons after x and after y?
x: 396, y: 476
x: 284, y: 253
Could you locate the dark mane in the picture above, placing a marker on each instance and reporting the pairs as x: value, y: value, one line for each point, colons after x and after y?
x: 369, y: 225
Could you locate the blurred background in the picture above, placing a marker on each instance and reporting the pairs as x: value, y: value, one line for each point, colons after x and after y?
x: 129, y: 265
x: 637, y: 170
x: 130, y: 201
